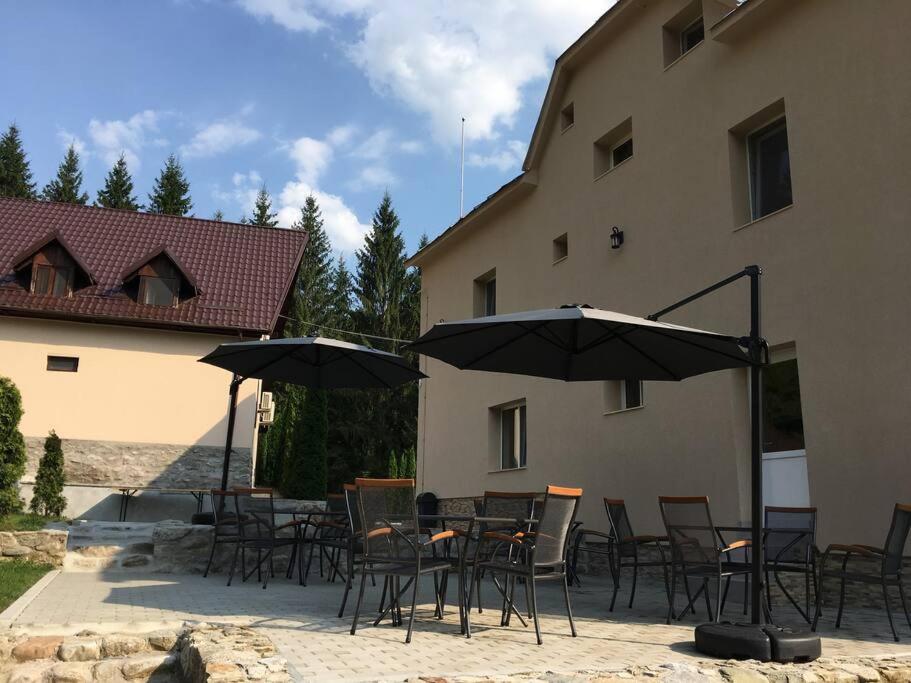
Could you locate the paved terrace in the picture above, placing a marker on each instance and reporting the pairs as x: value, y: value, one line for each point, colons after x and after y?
x: 303, y: 625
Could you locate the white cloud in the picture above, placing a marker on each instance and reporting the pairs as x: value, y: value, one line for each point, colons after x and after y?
x: 115, y: 137
x: 447, y: 60
x: 411, y: 146
x: 312, y: 158
x: 243, y: 191
x: 372, y: 177
x: 219, y: 137
x: 67, y: 138
x: 505, y: 158
x: 345, y: 231
x: 375, y: 146
x: 341, y: 135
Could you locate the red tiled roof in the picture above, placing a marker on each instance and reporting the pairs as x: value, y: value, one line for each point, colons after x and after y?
x: 243, y: 272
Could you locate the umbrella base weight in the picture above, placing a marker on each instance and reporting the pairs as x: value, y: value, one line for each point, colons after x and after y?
x: 765, y: 643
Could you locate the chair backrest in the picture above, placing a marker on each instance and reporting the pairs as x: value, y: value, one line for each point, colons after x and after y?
x: 515, y: 505
x: 785, y: 546
x: 894, y: 546
x: 354, y: 513
x: 690, y: 530
x: 618, y: 518
x: 224, y: 513
x: 555, y: 521
x: 255, y: 505
x: 389, y: 518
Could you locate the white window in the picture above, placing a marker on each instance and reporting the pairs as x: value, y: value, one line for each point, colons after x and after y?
x: 620, y: 395
x: 512, y: 437
x: 613, y: 148
x: 485, y: 294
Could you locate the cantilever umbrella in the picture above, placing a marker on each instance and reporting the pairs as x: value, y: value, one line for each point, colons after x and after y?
x: 313, y: 362
x: 580, y: 343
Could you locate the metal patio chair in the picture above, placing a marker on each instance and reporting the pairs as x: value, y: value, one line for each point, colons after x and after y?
x: 330, y: 535
x: 258, y: 531
x: 789, y: 546
x: 536, y: 555
x: 394, y: 546
x: 224, y: 525
x: 889, y: 558
x: 698, y: 552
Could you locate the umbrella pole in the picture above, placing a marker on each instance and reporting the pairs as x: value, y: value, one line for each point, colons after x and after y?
x: 756, y: 346
x: 229, y: 438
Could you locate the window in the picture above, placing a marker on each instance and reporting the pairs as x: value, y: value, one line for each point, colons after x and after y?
x: 561, y: 248
x: 62, y: 364
x: 157, y: 291
x: 620, y: 395
x: 512, y: 437
x: 782, y: 428
x: 613, y: 148
x: 691, y: 36
x: 485, y: 294
x: 770, y: 169
x: 51, y: 280
x: 567, y: 116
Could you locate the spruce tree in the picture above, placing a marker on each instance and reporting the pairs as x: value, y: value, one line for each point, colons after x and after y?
x: 15, y: 174
x: 47, y: 498
x: 392, y: 469
x: 262, y: 210
x: 117, y: 192
x: 218, y: 215
x: 67, y: 186
x: 304, y: 476
x: 12, y: 447
x: 171, y: 192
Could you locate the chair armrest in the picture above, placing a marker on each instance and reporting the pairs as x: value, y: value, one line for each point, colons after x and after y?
x: 330, y: 523
x: 505, y: 538
x: 382, y: 531
x: 442, y: 536
x: 643, y: 539
x: 866, y: 551
x: 292, y: 523
x: 736, y: 545
x: 872, y: 549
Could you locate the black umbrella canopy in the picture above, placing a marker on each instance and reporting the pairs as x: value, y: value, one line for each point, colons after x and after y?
x: 580, y: 343
x: 314, y: 362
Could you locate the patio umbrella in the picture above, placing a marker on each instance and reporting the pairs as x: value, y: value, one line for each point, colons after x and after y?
x: 313, y: 362
x: 580, y: 343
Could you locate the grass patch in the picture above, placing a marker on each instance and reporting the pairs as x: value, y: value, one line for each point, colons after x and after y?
x: 16, y: 577
x: 25, y: 522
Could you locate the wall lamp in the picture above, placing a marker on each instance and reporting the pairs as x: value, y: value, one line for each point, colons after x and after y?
x: 616, y: 237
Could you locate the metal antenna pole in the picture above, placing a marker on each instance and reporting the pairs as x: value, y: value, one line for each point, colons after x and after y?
x: 462, y: 173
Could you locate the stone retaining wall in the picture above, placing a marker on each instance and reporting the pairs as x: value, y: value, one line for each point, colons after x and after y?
x: 47, y: 546
x: 116, y: 463
x: 193, y: 654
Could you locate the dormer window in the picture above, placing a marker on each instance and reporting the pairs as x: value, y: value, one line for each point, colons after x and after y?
x: 158, y: 291
x: 159, y: 279
x: 49, y: 267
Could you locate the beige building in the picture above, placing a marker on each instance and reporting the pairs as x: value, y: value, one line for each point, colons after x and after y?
x: 713, y: 135
x: 103, y: 316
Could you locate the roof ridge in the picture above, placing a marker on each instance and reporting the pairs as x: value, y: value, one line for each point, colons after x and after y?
x: 233, y: 224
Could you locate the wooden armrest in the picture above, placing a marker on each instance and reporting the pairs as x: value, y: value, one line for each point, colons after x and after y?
x: 643, y: 539
x: 330, y: 523
x: 872, y: 548
x: 506, y: 538
x: 451, y: 533
x: 737, y: 544
x: 383, y: 531
x: 287, y: 525
x: 867, y: 551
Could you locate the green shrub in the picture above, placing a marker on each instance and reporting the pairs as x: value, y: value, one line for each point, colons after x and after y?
x: 12, y: 447
x: 393, y: 472
x: 48, y: 499
x: 304, y: 471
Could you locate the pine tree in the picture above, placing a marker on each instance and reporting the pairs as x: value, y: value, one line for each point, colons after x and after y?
x: 304, y: 476
x: 171, y: 193
x: 47, y: 498
x: 218, y: 215
x: 12, y: 447
x: 117, y: 192
x: 67, y: 186
x: 262, y: 210
x: 15, y: 174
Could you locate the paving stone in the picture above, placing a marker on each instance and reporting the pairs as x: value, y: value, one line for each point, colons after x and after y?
x: 38, y: 647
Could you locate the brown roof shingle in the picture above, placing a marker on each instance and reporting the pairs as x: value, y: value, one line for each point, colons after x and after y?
x: 243, y: 272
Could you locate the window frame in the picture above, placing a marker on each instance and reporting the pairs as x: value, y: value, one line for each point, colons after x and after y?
x: 751, y: 140
x: 624, y: 398
x: 613, y: 162
x: 560, y: 248
x: 55, y: 275
x: 143, y: 290
x: 519, y: 436
x: 490, y: 297
x: 64, y: 363
x: 686, y: 31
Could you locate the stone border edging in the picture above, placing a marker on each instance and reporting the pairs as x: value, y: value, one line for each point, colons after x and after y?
x: 11, y: 613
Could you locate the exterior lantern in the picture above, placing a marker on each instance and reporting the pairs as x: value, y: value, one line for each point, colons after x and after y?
x: 616, y: 237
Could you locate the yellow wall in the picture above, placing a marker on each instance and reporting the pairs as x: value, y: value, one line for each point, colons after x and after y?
x: 133, y: 385
x: 836, y: 267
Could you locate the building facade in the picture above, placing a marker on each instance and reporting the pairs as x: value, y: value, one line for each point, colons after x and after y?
x: 712, y: 135
x: 103, y: 316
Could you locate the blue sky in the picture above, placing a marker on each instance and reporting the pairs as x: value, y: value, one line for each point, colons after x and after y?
x: 342, y: 98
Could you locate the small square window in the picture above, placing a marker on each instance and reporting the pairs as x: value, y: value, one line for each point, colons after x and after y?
x: 512, y: 437
x: 157, y: 291
x: 620, y: 395
x: 561, y: 248
x: 613, y: 148
x: 567, y: 116
x: 62, y: 364
x: 622, y: 152
x: 770, y: 169
x: 691, y: 36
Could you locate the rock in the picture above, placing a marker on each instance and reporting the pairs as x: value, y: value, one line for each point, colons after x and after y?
x: 742, y: 675
x: 38, y: 647
x: 141, y: 548
x: 33, y: 672
x: 108, y: 670
x: 135, y: 561
x: 144, y: 666
x: 70, y: 672
x: 79, y: 650
x: 863, y: 673
x: 16, y: 551
x: 163, y: 640
x: 121, y: 645
x: 218, y: 672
